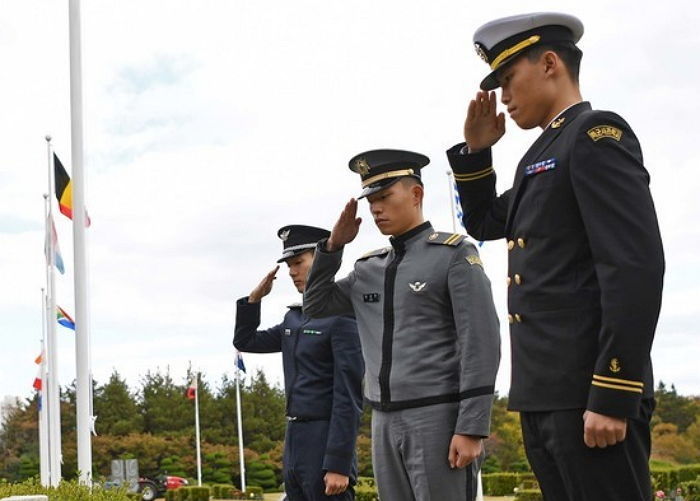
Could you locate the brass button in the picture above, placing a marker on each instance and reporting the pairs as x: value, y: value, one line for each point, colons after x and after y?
x: 518, y: 279
x: 521, y: 243
x: 508, y: 281
x: 510, y: 318
x: 511, y: 244
x: 518, y: 318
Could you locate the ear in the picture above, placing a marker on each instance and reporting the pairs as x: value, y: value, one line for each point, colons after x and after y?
x: 550, y: 62
x: 417, y: 193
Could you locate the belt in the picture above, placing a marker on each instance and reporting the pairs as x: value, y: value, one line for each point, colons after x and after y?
x: 304, y: 419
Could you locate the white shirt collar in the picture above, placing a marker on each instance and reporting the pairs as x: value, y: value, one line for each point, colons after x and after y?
x: 560, y: 114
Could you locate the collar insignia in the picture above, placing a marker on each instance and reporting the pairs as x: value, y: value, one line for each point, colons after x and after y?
x: 557, y: 123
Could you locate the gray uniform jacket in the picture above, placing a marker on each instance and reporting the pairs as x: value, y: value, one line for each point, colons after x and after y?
x: 426, y: 319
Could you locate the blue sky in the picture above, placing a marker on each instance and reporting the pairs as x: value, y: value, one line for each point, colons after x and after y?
x: 211, y: 124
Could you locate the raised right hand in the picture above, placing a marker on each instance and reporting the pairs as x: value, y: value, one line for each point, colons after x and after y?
x: 346, y: 228
x: 483, y: 127
x: 264, y: 287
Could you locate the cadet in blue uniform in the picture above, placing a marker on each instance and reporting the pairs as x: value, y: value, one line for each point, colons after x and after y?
x: 429, y: 332
x: 323, y: 371
x: 585, y: 261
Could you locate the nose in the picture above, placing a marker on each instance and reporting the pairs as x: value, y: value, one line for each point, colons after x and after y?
x: 505, y: 97
x: 292, y: 271
x: 375, y: 209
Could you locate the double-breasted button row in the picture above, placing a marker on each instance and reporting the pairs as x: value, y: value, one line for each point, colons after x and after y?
x: 515, y: 318
x: 520, y: 241
x: 517, y: 278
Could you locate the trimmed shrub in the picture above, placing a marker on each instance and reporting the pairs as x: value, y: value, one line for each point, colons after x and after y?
x: 66, y: 491
x: 253, y: 492
x: 500, y: 484
x: 528, y: 495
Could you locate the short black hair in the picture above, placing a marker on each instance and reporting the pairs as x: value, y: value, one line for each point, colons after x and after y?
x: 567, y: 52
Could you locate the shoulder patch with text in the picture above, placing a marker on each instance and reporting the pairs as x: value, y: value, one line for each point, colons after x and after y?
x: 600, y: 131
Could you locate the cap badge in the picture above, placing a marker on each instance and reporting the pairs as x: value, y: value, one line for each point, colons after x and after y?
x: 557, y: 123
x: 362, y: 166
x: 284, y: 235
x: 481, y: 53
x: 615, y: 365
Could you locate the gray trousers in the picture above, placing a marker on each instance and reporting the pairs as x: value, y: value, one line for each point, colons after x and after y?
x: 409, y: 453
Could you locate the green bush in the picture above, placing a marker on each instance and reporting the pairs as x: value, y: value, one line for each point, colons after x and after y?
x: 688, y: 472
x: 500, y: 484
x: 528, y: 495
x: 66, y: 491
x: 253, y: 492
x: 691, y: 490
x: 171, y: 496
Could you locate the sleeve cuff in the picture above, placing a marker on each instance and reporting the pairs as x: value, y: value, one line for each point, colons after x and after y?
x: 338, y: 464
x: 614, y: 399
x: 469, y: 166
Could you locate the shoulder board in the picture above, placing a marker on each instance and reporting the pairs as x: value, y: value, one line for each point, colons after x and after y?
x: 375, y: 252
x: 443, y: 238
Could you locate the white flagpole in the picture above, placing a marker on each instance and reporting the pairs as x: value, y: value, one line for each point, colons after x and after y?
x: 53, y: 394
x: 82, y: 330
x: 450, y: 185
x: 240, y: 425
x: 196, y: 428
x: 44, y: 477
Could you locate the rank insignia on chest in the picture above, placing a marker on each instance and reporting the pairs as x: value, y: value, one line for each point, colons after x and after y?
x: 541, y: 166
x: 287, y: 332
x: 372, y: 297
x: 312, y: 332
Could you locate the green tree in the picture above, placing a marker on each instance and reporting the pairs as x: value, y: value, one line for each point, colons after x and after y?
x: 674, y: 408
x: 164, y: 406
x: 217, y: 468
x: 116, y: 408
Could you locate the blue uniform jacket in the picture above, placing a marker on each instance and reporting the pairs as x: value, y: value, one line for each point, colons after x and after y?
x: 323, y: 371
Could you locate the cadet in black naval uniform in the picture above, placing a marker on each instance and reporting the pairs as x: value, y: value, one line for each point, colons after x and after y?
x: 323, y: 371
x: 429, y: 332
x: 585, y: 261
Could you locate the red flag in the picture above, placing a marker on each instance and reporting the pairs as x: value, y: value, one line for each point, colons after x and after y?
x: 192, y: 388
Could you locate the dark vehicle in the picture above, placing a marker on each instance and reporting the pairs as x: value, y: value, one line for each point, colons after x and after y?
x: 152, y: 488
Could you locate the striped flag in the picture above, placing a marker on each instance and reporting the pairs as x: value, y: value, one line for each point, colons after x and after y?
x: 51, y: 233
x: 64, y: 318
x: 192, y: 388
x: 458, y: 204
x: 64, y: 190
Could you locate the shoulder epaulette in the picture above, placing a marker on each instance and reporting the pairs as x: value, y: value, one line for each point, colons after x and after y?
x: 443, y: 238
x: 375, y: 252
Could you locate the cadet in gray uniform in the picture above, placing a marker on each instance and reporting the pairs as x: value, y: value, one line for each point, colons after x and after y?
x: 428, y: 329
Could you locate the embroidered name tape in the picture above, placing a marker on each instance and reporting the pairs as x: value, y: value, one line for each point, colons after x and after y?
x: 541, y: 166
x: 312, y: 332
x: 600, y: 131
x: 287, y: 332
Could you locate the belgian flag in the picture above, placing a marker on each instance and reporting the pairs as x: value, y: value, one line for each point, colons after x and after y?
x: 64, y: 190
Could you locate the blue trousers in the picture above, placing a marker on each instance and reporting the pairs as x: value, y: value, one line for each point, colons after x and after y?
x: 305, y: 446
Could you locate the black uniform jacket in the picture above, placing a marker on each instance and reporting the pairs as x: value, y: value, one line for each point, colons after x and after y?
x: 585, y: 262
x: 323, y: 371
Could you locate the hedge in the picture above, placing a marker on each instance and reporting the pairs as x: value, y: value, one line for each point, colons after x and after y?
x: 66, y: 491
x: 528, y: 495
x: 668, y: 478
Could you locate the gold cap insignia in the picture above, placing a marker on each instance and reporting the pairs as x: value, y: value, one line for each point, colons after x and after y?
x: 557, y: 123
x: 284, y: 235
x: 362, y: 166
x: 481, y: 53
x: 615, y: 365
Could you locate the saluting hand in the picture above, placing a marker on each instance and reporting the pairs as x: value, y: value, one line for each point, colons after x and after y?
x: 483, y: 127
x: 335, y: 483
x: 264, y: 287
x: 346, y: 228
x: 601, y: 431
x: 463, y: 450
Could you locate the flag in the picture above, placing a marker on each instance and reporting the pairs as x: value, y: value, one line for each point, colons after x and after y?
x: 39, y: 358
x: 64, y: 318
x: 192, y: 388
x: 458, y: 205
x: 37, y: 381
x: 64, y: 190
x: 239, y: 361
x: 51, y: 233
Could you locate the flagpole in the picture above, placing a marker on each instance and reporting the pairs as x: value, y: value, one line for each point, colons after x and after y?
x: 196, y: 428
x: 240, y: 426
x: 52, y: 388
x: 82, y: 331
x: 450, y: 186
x: 44, y: 477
